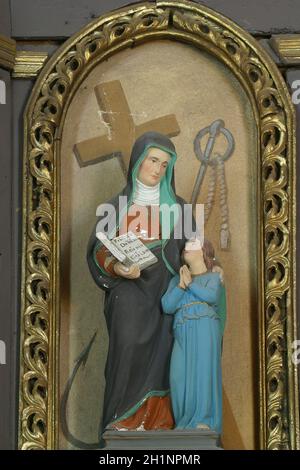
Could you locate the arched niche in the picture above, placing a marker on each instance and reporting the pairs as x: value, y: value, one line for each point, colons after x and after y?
x: 272, y: 268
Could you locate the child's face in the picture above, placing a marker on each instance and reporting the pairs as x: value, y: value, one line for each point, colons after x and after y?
x: 192, y: 250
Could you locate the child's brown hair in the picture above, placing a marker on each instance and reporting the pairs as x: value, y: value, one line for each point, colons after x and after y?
x: 208, y: 255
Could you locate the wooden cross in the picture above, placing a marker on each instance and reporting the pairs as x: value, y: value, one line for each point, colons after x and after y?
x: 122, y: 130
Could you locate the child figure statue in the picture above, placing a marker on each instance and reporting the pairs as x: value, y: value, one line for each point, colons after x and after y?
x: 196, y: 298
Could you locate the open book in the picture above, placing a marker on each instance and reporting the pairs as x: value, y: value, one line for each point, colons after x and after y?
x: 128, y: 249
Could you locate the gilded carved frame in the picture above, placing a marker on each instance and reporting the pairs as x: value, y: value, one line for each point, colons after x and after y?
x: 44, y: 117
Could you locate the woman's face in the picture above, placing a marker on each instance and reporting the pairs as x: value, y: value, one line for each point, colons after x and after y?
x: 192, y: 250
x: 154, y: 166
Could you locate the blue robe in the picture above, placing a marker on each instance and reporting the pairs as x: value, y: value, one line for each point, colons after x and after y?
x: 195, y: 370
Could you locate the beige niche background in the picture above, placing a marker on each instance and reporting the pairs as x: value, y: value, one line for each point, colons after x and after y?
x: 160, y: 78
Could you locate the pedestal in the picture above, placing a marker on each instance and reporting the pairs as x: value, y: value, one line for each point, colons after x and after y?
x: 194, y: 439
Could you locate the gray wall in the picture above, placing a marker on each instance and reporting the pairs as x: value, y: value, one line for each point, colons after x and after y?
x: 7, y: 321
x: 31, y: 21
x: 292, y: 76
x: 7, y: 273
x: 62, y: 18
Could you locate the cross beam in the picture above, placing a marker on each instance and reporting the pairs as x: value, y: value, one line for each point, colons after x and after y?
x: 123, y: 132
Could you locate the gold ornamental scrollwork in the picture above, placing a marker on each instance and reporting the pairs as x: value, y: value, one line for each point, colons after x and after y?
x: 44, y: 117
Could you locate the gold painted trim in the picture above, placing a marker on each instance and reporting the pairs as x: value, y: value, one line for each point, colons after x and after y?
x: 287, y: 48
x: 274, y: 114
x: 28, y: 64
x: 7, y: 52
